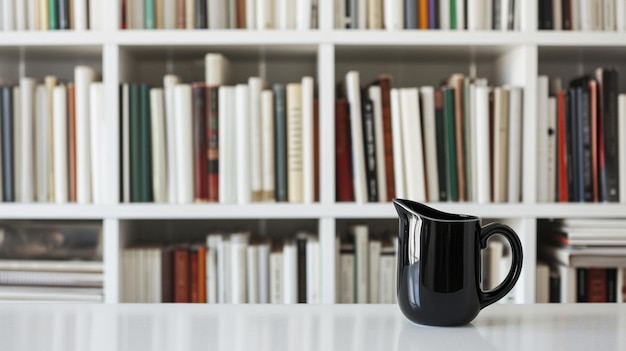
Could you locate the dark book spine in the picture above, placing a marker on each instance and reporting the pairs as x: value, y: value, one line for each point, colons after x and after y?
x: 611, y: 138
x: 433, y: 11
x: 123, y: 14
x: 241, y: 14
x: 53, y: 14
x: 167, y: 275
x: 440, y: 126
x: 611, y: 285
x: 450, y: 136
x: 213, y: 144
x: 496, y: 14
x: 149, y: 14
x: 545, y: 14
x: 581, y: 285
x: 145, y: 144
x: 566, y: 9
x: 280, y: 130
x: 555, y: 286
x: 199, y: 96
x: 343, y: 151
x: 121, y: 143
x: 410, y: 14
x: 201, y: 14
x: 511, y: 19
x: 597, y: 284
x: 193, y: 276
x: 64, y: 14
x: 301, y: 250
x: 8, y: 162
x: 135, y: 142
x: 578, y: 141
x: 571, y: 145
x: 385, y: 89
x: 181, y: 276
x: 369, y: 145
x: 586, y: 146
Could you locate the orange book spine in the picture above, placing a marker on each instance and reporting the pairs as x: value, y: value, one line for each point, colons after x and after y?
x: 202, y: 274
x: 71, y: 103
x: 241, y: 14
x: 423, y: 14
x: 193, y: 276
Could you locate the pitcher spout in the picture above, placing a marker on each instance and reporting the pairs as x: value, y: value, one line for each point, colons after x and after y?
x: 407, y: 209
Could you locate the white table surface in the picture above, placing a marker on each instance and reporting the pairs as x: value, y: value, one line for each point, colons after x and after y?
x: 597, y: 327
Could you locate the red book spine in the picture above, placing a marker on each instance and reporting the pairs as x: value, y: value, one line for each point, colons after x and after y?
x: 385, y: 88
x: 593, y: 103
x: 596, y: 285
x: 213, y: 144
x: 343, y: 160
x: 181, y: 275
x: 562, y: 147
x: 193, y: 276
x: 123, y: 13
x: 199, y: 141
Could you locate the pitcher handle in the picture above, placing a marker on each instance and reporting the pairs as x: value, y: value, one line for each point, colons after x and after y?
x: 491, y: 296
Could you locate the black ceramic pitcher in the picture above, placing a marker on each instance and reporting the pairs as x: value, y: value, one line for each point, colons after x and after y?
x: 439, y: 264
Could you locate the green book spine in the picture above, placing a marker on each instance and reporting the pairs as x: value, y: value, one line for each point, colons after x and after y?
x: 145, y: 144
x: 448, y: 111
x: 280, y: 128
x: 453, y: 14
x: 53, y: 14
x: 149, y: 14
x: 135, y: 138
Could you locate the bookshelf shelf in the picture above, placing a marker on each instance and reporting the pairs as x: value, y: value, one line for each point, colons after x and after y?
x: 413, y: 57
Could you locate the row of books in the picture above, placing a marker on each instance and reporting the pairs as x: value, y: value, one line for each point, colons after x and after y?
x: 428, y: 14
x: 234, y: 268
x: 31, y: 15
x: 52, y: 139
x: 211, y: 142
x: 581, y: 146
x: 585, y: 15
x: 219, y: 14
x: 51, y: 261
x: 582, y: 260
x: 457, y: 142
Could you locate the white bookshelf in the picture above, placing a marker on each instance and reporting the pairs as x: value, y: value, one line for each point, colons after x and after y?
x: 413, y: 58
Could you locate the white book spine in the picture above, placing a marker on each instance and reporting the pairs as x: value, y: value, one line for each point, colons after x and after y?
x: 253, y: 273
x: 504, y: 15
x: 51, y: 82
x: 375, y: 95
x: 515, y: 145
x: 83, y: 77
x: 542, y: 283
x: 551, y: 149
x: 31, y: 15
x: 557, y: 15
x: 267, y: 162
x: 575, y: 9
x: 356, y: 131
x: 251, y: 14
x: 290, y: 272
x: 126, y: 143
x: 211, y: 276
x: 256, y: 137
x: 488, y: 14
x: 27, y: 159
x: 500, y: 145
x: 346, y: 276
x: 156, y: 275
x: 387, y: 279
x: 542, y: 139
x: 215, y: 66
x: 42, y: 133
x: 169, y: 14
x: 60, y: 144
x: 398, y: 151
x: 226, y: 271
x: 460, y: 15
x: 609, y: 14
x: 340, y: 14
x: 374, y: 271
x: 620, y: 16
x: 264, y: 273
x: 159, y: 161
x: 313, y: 274
x: 430, y: 141
x: 295, y: 188
x: 361, y: 251
x: 483, y: 151
x: 444, y: 14
x: 586, y: 13
x: 231, y: 10
x: 276, y: 278
x: 303, y: 13
x: 227, y: 190
x: 80, y: 15
x: 17, y: 142
x: 361, y: 14
x: 190, y: 19
x: 217, y: 14
x: 308, y: 183
x: 98, y: 126
x: 8, y: 13
x: 265, y: 14
x: 169, y: 82
x: 20, y: 15
x: 394, y: 14
x: 183, y: 137
x: 475, y: 14
x: 95, y: 14
x: 413, y: 147
x: 238, y: 266
x: 621, y: 112
x: 243, y: 146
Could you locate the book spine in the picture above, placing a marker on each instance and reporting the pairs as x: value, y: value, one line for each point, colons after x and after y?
x: 97, y: 123
x: 267, y: 126
x: 201, y: 20
x: 500, y: 145
x: 562, y: 147
x: 276, y: 278
x: 211, y: 275
x: 303, y: 13
x: 294, y: 143
x: 184, y: 137
x: 241, y: 14
x: 581, y: 285
x: 346, y: 276
x: 301, y: 242
x: 290, y: 272
x: 571, y: 147
x: 50, y: 82
x: 83, y: 77
x: 159, y: 19
x: 611, y: 285
x: 64, y: 14
x: 515, y: 147
x: 167, y: 275
x: 385, y: 87
x: 316, y: 151
x: 17, y: 143
x: 308, y: 93
x: 448, y: 111
x: 313, y: 270
x: 219, y: 14
x: 551, y: 150
x: 430, y: 142
x: 374, y: 93
x: 190, y: 14
x: 483, y: 150
x: 398, y: 151
x: 250, y: 13
x: 566, y: 8
x: 182, y: 281
x: 169, y: 82
x: 252, y: 259
x: 8, y: 162
x: 264, y: 272
x: 343, y: 175
x: 60, y: 143
x: 356, y: 132
x: 586, y: 146
x: 280, y: 134
x: 410, y: 14
x: 442, y: 166
x: 227, y: 145
x: 193, y: 276
x: 41, y: 134
x: 135, y: 148
x: 212, y: 143
x: 593, y: 112
x: 611, y: 138
x: 423, y: 14
x: 256, y: 137
x: 53, y: 15
x: 149, y: 14
x: 620, y: 16
x: 180, y: 14
x: 579, y: 145
x: 394, y: 14
x: 145, y: 145
x: 369, y: 145
x: 199, y: 97
x: 361, y: 251
x: 238, y: 280
x: 27, y: 159
x: 374, y: 271
x: 80, y: 14
x: 622, y: 146
x: 597, y: 285
x: 159, y: 161
x: 457, y: 83
x: 169, y: 14
x: 243, y: 145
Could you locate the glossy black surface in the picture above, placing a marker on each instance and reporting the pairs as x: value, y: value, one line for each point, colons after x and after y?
x: 439, y: 265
